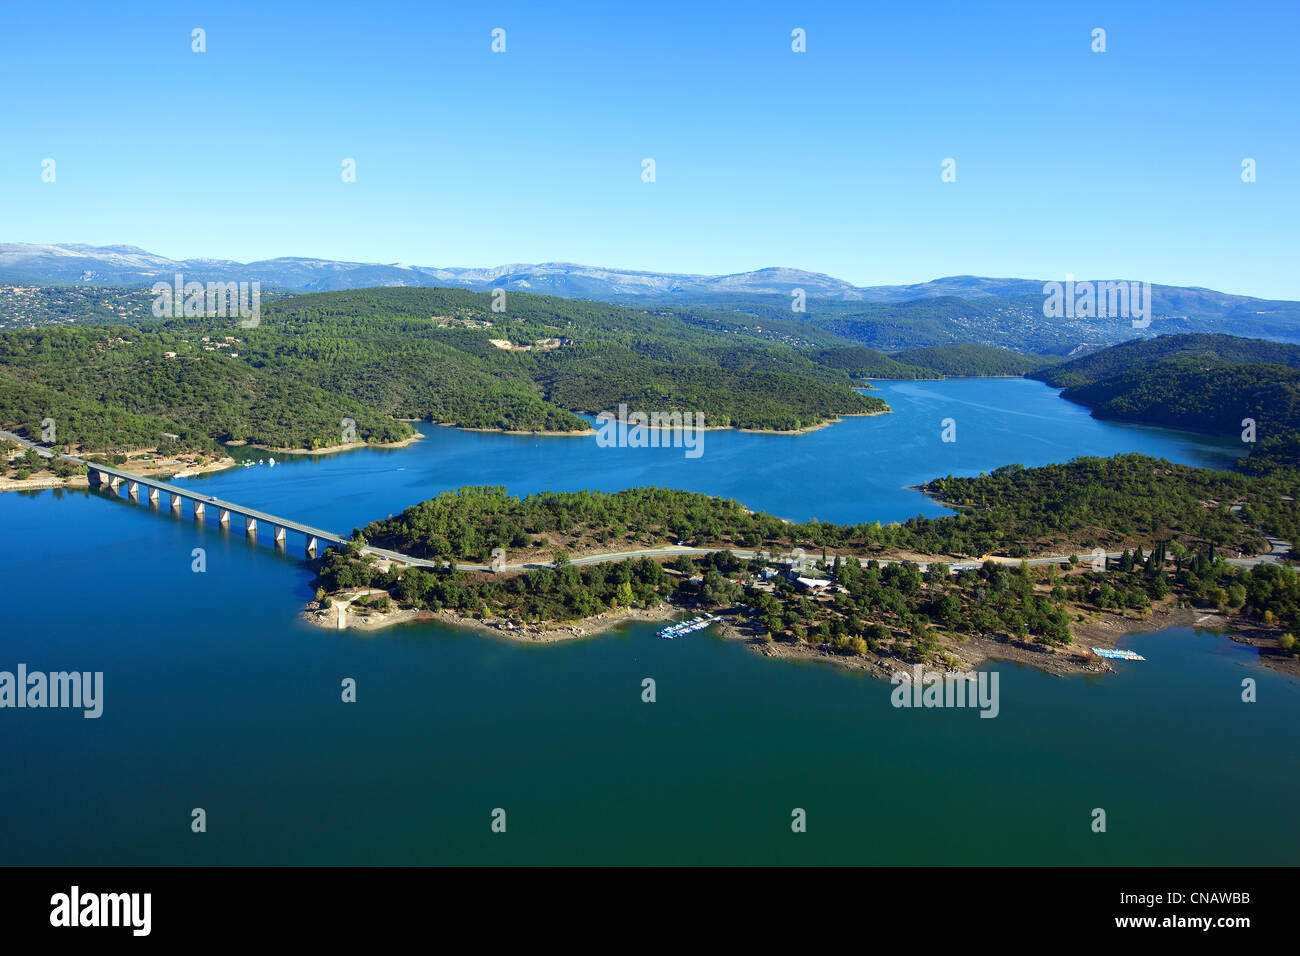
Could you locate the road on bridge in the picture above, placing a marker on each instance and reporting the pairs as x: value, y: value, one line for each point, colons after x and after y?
x: 1278, y: 547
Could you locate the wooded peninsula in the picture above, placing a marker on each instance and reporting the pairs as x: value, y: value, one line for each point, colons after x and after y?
x: 865, y: 592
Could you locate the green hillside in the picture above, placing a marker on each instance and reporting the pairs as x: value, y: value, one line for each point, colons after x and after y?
x: 971, y: 360
x: 1216, y: 384
x: 1141, y: 354
x: 378, y: 356
x: 932, y: 362
x: 862, y: 362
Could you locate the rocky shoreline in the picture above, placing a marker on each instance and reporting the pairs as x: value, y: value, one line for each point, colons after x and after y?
x: 82, y: 481
x: 1098, y: 630
x: 1104, y: 630
x: 362, y: 618
x: 331, y: 449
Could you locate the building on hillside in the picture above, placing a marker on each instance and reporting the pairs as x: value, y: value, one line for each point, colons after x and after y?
x: 813, y: 584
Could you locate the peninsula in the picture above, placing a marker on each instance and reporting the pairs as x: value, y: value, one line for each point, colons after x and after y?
x: 1072, y: 567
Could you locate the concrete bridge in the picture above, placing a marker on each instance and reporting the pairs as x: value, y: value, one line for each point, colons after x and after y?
x: 227, y: 512
x: 315, y: 539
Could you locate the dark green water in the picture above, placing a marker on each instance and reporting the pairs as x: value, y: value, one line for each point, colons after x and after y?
x: 216, y: 696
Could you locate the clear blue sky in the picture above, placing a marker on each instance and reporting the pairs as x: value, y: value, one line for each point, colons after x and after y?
x: 1125, y: 164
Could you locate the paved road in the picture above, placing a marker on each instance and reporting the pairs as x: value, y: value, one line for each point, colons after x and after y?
x: 261, y: 516
x: 954, y: 564
x: 40, y: 449
x: 1279, y: 547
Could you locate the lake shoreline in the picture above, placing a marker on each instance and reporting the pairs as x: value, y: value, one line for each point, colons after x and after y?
x: 577, y: 433
x: 330, y: 449
x: 810, y: 428
x: 552, y: 632
x: 1105, y: 630
x: 730, y: 626
x: 83, y: 481
x: 707, y: 428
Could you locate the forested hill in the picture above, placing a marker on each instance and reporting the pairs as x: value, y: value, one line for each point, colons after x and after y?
x: 933, y: 362
x: 1141, y: 354
x: 1242, y: 389
x: 384, y: 354
x: 863, y: 362
x: 970, y: 360
x: 1082, y: 504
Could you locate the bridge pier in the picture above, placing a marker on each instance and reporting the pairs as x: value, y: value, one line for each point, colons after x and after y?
x: 104, y: 477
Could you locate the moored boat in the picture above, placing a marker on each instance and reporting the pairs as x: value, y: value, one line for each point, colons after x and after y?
x: 1117, y: 655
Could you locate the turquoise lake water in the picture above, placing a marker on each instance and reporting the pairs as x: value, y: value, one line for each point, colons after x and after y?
x: 218, y: 696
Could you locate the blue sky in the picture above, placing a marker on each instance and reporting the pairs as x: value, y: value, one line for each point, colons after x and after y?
x: 1121, y: 164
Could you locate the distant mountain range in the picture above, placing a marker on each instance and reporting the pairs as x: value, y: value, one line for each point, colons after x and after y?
x: 132, y: 266
x: 1002, y: 312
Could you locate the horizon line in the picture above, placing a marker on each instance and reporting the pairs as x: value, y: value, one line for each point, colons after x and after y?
x: 624, y: 270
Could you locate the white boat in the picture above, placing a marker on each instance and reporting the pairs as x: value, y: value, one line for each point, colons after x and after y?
x: 686, y: 627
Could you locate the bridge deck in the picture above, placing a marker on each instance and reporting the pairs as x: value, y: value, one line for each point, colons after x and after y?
x: 257, y: 515
x: 261, y: 516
